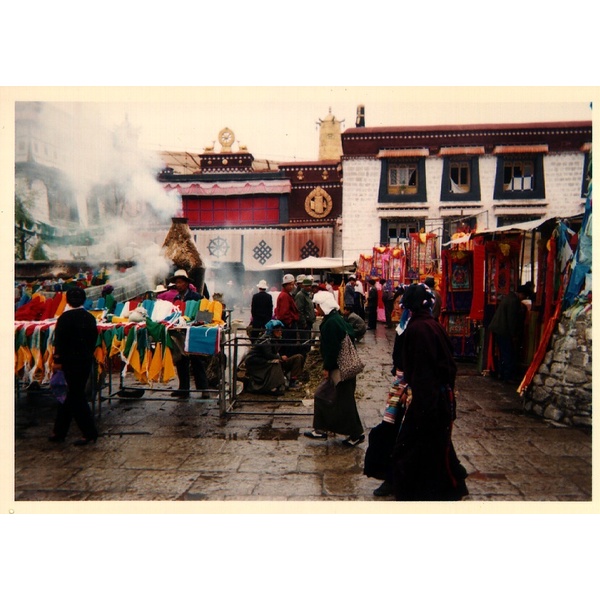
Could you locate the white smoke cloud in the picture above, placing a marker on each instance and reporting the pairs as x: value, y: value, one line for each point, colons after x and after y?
x: 97, y: 148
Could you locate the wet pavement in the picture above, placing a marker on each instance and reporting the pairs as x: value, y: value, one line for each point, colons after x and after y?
x: 163, y: 450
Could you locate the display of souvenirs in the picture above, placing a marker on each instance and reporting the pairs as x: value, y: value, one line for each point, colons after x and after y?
x: 457, y: 296
x: 387, y: 262
x: 422, y: 255
x: 502, y: 261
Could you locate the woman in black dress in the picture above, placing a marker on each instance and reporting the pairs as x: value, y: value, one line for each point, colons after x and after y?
x: 425, y: 465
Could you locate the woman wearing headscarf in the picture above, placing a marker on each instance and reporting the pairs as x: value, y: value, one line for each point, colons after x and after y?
x: 425, y: 465
x: 382, y: 438
x: 266, y: 366
x: 340, y: 416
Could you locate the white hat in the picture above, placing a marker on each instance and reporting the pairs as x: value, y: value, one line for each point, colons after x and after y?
x: 288, y: 279
x: 160, y: 288
x: 262, y: 285
x: 300, y: 278
x: 326, y: 301
x: 181, y: 273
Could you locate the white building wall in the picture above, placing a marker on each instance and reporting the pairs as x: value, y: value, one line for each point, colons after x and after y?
x: 362, y: 214
x: 563, y: 174
x: 433, y: 182
x: 360, y: 220
x: 487, y: 180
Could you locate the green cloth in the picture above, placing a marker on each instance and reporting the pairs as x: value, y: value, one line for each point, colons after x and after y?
x: 333, y: 329
x: 158, y: 332
x: 109, y: 303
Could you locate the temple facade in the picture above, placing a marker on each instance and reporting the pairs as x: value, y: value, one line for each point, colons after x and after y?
x: 448, y: 179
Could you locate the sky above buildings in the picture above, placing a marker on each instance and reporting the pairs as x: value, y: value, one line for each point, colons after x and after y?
x: 281, y: 123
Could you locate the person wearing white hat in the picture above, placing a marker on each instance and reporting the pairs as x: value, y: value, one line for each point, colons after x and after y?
x: 261, y: 310
x: 167, y: 293
x: 349, y: 292
x: 306, y: 308
x: 286, y: 311
x: 182, y: 283
x: 341, y: 416
x: 184, y: 293
x: 298, y: 287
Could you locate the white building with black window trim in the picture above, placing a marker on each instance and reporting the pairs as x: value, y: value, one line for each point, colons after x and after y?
x: 439, y: 179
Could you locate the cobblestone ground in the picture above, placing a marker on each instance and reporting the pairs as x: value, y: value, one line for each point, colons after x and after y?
x: 161, y: 450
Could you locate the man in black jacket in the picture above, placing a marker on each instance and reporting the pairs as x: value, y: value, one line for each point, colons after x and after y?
x: 75, y: 338
x: 261, y: 309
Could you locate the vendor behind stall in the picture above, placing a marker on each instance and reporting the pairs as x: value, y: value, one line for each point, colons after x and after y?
x: 184, y: 293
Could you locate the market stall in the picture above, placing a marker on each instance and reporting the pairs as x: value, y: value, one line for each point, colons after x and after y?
x: 480, y: 268
x: 456, y: 288
x: 143, y: 339
x: 402, y: 264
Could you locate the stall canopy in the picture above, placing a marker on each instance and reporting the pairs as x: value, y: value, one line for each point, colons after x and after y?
x: 312, y: 263
x: 516, y: 227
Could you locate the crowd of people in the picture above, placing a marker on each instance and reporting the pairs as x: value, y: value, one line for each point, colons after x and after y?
x: 412, y: 453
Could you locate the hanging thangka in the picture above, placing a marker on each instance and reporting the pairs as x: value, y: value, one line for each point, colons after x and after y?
x: 378, y: 261
x: 422, y: 255
x: 397, y: 266
x: 364, y: 266
x: 502, y: 259
x: 457, y: 279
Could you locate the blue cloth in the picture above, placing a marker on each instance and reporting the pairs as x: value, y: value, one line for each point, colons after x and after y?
x: 202, y: 340
x: 148, y: 305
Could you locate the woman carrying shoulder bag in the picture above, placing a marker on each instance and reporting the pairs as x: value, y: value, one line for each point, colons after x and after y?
x: 340, y: 416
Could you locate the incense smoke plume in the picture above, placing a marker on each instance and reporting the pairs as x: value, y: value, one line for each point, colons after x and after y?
x: 118, y: 198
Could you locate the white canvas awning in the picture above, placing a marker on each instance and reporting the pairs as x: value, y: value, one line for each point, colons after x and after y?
x: 311, y: 263
x: 516, y: 227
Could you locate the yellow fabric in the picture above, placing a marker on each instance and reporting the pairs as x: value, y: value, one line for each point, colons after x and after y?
x: 215, y: 307
x: 168, y: 366
x: 144, y: 367
x: 134, y: 358
x: 100, y: 356
x: 156, y: 363
x: 61, y: 306
x: 21, y: 358
x: 117, y: 346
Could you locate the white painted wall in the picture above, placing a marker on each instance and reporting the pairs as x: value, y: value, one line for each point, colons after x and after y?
x: 360, y: 221
x: 563, y: 174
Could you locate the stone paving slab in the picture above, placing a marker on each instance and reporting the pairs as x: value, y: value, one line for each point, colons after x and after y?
x: 166, y: 451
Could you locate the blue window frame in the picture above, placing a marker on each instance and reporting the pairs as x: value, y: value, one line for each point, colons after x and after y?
x: 460, y: 179
x: 520, y: 177
x: 403, y: 181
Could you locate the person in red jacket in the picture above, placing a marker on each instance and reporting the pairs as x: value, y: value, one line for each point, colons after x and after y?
x: 287, y: 312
